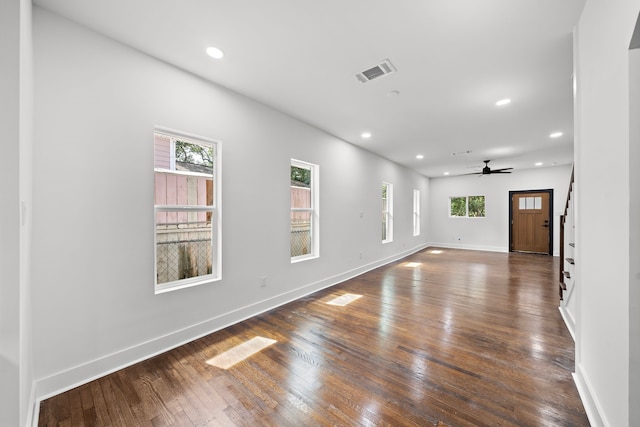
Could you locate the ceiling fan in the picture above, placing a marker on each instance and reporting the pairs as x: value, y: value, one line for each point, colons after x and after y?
x: 486, y: 170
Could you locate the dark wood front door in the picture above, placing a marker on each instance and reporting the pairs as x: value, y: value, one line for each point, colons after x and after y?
x: 531, y: 225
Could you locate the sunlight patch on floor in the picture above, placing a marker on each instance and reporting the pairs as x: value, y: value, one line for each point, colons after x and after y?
x: 343, y: 300
x: 240, y: 352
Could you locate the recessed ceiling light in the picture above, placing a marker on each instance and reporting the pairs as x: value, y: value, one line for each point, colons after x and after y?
x: 538, y: 164
x: 393, y: 93
x: 214, y: 52
x: 446, y: 173
x: 420, y: 156
x: 555, y: 135
x: 366, y: 135
x: 503, y: 102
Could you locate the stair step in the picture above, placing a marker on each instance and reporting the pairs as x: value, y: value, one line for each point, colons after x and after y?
x: 567, y: 275
x: 570, y: 261
x: 563, y: 286
x: 573, y: 245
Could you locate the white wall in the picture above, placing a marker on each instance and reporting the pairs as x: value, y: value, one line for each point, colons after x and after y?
x: 491, y: 232
x: 16, y: 122
x: 602, y: 153
x: 9, y: 213
x: 26, y: 206
x: 97, y: 102
x: 634, y: 234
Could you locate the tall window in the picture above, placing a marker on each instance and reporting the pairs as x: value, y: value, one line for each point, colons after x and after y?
x: 387, y: 212
x: 467, y: 207
x: 304, y: 211
x: 187, y: 211
x: 416, y: 212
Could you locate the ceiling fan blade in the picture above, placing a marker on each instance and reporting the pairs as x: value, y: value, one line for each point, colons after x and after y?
x: 486, y: 170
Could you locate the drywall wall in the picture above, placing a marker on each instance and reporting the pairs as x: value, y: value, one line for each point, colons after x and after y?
x: 16, y: 121
x: 9, y: 214
x: 634, y: 232
x: 97, y: 103
x: 491, y: 232
x: 602, y: 151
x: 26, y: 205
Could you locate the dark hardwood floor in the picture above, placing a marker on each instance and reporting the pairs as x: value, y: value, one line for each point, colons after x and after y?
x: 464, y: 338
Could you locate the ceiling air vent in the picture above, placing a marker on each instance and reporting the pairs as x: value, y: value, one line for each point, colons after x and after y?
x: 384, y: 67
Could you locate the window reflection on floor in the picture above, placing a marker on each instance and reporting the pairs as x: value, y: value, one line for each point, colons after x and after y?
x: 240, y: 352
x: 344, y: 299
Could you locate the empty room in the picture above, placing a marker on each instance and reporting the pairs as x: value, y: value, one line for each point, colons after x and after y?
x: 320, y: 213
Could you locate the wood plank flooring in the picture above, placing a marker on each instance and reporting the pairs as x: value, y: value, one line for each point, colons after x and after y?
x: 463, y: 338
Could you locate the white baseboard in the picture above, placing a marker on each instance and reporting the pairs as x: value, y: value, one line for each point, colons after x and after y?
x: 33, y: 413
x: 589, y: 400
x: 89, y: 371
x: 556, y: 253
x: 470, y: 247
x: 568, y: 320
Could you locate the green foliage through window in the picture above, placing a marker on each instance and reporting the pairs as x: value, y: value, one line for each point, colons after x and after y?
x: 468, y: 206
x: 458, y: 206
x: 302, y: 176
x: 476, y: 206
x: 195, y: 154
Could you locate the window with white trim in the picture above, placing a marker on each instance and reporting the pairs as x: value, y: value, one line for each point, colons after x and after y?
x: 416, y: 212
x: 186, y: 210
x: 387, y: 212
x: 466, y: 207
x: 305, y: 242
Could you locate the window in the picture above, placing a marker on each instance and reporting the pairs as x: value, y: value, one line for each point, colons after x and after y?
x: 304, y: 211
x: 530, y: 203
x: 467, y: 207
x: 187, y: 211
x: 416, y: 212
x: 387, y: 212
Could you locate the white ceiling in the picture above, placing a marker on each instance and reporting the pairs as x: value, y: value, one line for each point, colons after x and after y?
x: 454, y: 60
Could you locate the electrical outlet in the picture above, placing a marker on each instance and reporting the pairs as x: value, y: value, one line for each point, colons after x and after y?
x: 360, y: 255
x: 263, y: 281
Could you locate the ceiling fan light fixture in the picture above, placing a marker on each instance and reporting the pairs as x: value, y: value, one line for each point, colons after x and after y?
x: 486, y: 170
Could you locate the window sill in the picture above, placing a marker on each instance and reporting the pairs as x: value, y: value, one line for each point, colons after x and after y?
x: 174, y: 286
x: 303, y: 258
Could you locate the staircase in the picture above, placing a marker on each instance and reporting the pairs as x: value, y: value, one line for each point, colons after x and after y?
x: 567, y: 279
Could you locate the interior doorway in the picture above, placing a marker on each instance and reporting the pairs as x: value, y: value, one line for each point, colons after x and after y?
x: 531, y: 221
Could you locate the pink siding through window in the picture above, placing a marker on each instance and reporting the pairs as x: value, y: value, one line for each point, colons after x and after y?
x: 162, y: 151
x: 181, y: 190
